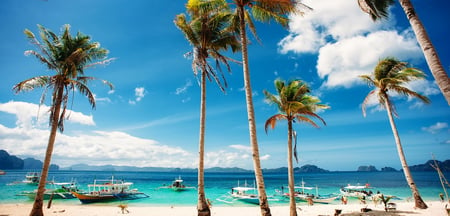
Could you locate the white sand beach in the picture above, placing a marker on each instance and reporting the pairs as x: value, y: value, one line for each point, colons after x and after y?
x: 403, y: 208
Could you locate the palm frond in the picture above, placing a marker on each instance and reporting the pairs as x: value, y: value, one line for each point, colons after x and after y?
x: 375, y: 8
x: 272, y: 121
x: 32, y: 83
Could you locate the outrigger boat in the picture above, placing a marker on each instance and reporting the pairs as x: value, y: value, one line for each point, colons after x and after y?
x: 31, y: 178
x: 109, y: 190
x: 178, y: 185
x: 357, y: 191
x: 300, y: 195
x: 245, y: 194
x: 62, y: 190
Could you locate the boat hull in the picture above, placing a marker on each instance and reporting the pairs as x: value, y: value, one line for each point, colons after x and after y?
x: 88, y: 198
x: 47, y: 196
x: 99, y: 197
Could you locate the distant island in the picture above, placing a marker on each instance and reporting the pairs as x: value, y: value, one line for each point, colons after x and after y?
x: 371, y: 168
x: 11, y: 162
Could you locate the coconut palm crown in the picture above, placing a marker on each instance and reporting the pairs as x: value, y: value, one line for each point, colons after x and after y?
x: 391, y: 75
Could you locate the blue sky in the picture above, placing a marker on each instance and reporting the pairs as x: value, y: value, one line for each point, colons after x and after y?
x: 151, y: 118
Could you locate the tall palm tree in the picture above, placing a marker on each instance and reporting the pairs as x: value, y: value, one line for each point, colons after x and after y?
x: 262, y: 10
x: 378, y: 9
x: 294, y: 104
x: 390, y: 75
x: 208, y: 33
x: 68, y: 56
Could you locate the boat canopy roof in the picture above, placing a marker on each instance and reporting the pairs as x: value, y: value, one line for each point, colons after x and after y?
x: 244, y: 188
x: 357, y: 187
x: 303, y: 187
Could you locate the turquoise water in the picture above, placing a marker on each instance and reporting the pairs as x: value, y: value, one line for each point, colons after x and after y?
x: 218, y: 184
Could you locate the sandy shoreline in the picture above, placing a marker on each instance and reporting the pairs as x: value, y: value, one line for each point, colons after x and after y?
x: 403, y: 208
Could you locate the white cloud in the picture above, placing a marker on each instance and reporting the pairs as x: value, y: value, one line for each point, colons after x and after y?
x: 342, y: 62
x: 184, y: 88
x: 264, y: 157
x: 225, y: 158
x: 241, y: 148
x: 336, y: 19
x: 31, y: 115
x: 96, y: 147
x: 347, y: 41
x: 139, y: 93
x: 436, y: 128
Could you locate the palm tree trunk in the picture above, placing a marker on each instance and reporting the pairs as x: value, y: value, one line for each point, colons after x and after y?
x: 292, y: 205
x: 39, y: 199
x: 202, y: 206
x: 419, y: 203
x: 428, y: 50
x: 263, y: 203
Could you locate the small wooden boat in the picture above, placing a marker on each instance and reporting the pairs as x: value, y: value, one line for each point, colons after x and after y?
x: 62, y: 190
x: 301, y: 195
x: 109, y: 190
x: 32, y: 178
x: 177, y: 185
x: 357, y: 191
x: 245, y: 194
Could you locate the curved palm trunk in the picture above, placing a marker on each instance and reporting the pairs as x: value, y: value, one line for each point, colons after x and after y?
x: 202, y: 206
x: 263, y: 203
x: 419, y: 203
x: 428, y: 50
x: 292, y: 205
x: 39, y: 199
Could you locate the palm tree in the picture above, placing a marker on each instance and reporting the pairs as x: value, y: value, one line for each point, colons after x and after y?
x: 378, y: 9
x: 68, y: 56
x: 208, y: 34
x: 390, y: 75
x: 294, y: 104
x: 262, y: 10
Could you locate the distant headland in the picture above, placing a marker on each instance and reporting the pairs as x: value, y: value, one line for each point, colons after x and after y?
x: 11, y: 162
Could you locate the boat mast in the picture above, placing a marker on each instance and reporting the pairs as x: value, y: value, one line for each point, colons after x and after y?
x: 441, y: 178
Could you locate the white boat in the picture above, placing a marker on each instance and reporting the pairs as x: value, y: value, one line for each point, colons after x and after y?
x: 177, y: 185
x: 301, y: 195
x: 109, y: 190
x: 357, y: 191
x: 246, y: 193
x: 31, y: 178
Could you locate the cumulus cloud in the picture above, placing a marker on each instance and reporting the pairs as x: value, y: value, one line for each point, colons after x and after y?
x: 93, y: 147
x: 346, y: 40
x: 436, y: 128
x: 139, y: 93
x: 31, y: 115
x: 342, y: 62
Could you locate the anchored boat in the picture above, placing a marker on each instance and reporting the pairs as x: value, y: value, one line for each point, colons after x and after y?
x: 177, y: 185
x: 109, y: 190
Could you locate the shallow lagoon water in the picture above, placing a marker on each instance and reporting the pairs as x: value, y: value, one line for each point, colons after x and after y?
x: 218, y: 184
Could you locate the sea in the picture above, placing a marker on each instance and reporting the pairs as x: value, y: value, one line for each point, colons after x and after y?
x: 218, y: 185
